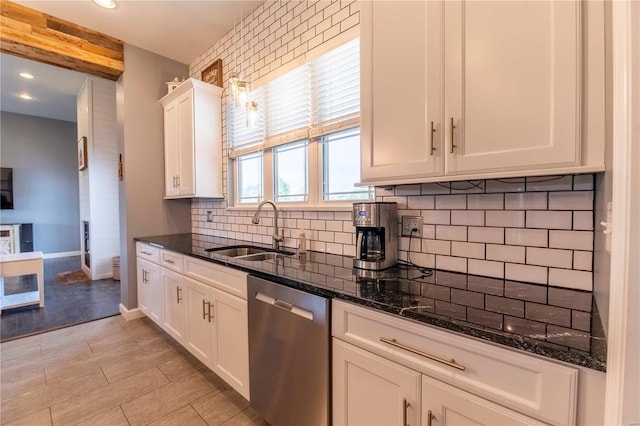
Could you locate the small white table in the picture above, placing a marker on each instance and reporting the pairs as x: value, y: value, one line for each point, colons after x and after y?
x: 14, y: 265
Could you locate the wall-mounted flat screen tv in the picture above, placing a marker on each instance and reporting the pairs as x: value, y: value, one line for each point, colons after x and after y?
x: 6, y: 187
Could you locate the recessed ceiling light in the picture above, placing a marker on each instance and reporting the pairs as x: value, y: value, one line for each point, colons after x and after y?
x: 25, y: 96
x: 107, y: 4
x: 26, y: 75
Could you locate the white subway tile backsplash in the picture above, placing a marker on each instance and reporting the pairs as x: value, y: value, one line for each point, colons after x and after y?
x: 583, y: 182
x: 567, y: 278
x: 468, y: 250
x: 550, y: 183
x: 467, y: 217
x: 485, y: 201
x: 505, y: 185
x: 436, y: 217
x: 508, y: 219
x: 583, y: 221
x: 451, y: 202
x: 344, y: 237
x: 424, y: 202
x: 549, y: 257
x: 449, y: 263
x: 426, y: 260
x: 549, y: 219
x: 429, y: 231
x: 486, y: 268
x: 451, y: 233
x: 526, y: 273
x: 486, y: 235
x: 434, y: 189
x: 526, y: 201
x: 503, y: 253
x: 408, y: 190
x: 343, y: 216
x: 576, y: 240
x: 436, y: 247
x: 571, y: 200
x: 334, y: 225
x: 527, y: 237
x: 583, y: 260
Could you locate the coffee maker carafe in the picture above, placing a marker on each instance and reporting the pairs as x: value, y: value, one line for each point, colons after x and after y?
x: 376, y: 235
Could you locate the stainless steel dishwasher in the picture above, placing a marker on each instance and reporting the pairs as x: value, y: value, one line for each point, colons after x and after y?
x: 289, y: 357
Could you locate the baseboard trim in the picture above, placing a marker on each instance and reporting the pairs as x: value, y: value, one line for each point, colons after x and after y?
x: 130, y: 314
x: 61, y: 254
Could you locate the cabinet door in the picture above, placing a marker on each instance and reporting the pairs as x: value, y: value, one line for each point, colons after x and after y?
x: 450, y: 406
x: 171, y: 149
x: 401, y: 90
x: 199, y: 337
x: 142, y: 267
x: 149, y: 290
x: 512, y: 85
x: 175, y: 319
x: 230, y: 358
x: 186, y: 142
x: 370, y: 390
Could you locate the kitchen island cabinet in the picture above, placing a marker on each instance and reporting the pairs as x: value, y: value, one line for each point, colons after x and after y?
x: 469, y: 90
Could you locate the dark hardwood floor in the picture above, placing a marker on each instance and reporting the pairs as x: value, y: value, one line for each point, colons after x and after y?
x: 64, y: 304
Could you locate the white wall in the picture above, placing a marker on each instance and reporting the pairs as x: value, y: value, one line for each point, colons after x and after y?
x: 99, y: 202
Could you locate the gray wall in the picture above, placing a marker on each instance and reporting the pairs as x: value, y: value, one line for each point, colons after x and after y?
x: 143, y: 210
x: 42, y: 153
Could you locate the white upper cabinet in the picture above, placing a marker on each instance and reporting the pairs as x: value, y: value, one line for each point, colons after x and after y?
x: 193, y: 141
x: 465, y: 90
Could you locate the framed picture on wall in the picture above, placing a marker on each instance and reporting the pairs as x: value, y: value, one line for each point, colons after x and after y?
x: 82, y: 153
x: 213, y: 73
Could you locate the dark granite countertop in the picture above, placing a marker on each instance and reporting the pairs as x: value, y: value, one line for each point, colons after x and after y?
x: 558, y: 323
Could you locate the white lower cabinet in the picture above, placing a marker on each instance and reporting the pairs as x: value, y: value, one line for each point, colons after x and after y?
x: 201, y: 305
x: 149, y: 290
x: 199, y: 328
x: 388, y: 370
x: 371, y: 390
x: 445, y: 405
x: 175, y: 312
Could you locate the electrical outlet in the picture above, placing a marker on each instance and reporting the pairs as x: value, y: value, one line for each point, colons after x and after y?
x: 409, y: 223
x: 209, y: 216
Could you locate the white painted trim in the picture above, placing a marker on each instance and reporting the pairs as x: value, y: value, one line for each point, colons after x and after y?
x: 62, y: 254
x: 130, y: 314
x: 623, y: 346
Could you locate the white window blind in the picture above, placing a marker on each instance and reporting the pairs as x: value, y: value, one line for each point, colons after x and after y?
x: 336, y: 83
x: 288, y: 105
x: 241, y: 137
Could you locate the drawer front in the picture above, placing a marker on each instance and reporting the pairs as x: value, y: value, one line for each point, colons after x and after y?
x: 171, y: 260
x: 145, y: 251
x: 543, y: 389
x: 226, y: 279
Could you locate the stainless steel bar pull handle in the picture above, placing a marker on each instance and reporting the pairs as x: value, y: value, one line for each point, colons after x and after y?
x: 429, y: 417
x: 148, y: 253
x: 450, y: 363
x: 405, y: 406
x: 433, y: 130
x: 204, y: 312
x: 169, y: 261
x: 452, y: 139
x: 178, y: 179
x: 209, y: 311
x: 178, y: 298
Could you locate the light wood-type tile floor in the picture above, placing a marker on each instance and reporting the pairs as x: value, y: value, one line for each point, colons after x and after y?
x: 112, y: 372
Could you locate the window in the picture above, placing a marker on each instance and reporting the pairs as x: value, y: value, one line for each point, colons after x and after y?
x: 339, y: 172
x: 250, y: 188
x: 290, y: 172
x: 306, y: 144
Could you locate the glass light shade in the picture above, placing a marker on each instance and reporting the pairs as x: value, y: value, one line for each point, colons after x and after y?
x: 242, y: 93
x: 234, y: 78
x: 252, y: 113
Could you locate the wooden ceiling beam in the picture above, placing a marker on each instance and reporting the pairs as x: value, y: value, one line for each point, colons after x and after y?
x: 34, y: 35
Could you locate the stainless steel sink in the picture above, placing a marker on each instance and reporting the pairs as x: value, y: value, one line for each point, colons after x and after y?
x: 239, y: 251
x: 252, y: 253
x: 262, y: 256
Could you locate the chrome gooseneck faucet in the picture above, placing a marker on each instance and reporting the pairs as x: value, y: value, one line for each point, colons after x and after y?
x: 277, y: 237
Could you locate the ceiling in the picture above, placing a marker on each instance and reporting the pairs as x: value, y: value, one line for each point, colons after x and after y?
x: 180, y: 30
